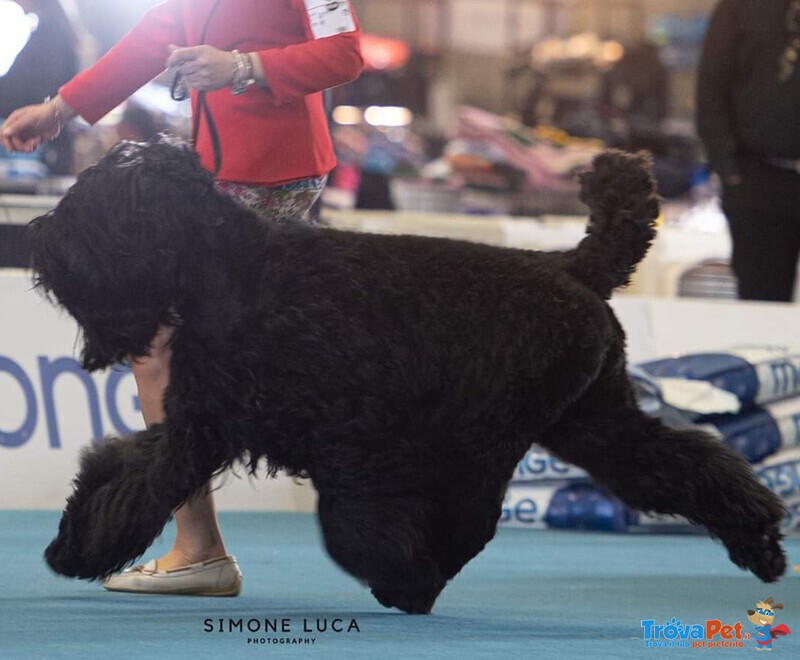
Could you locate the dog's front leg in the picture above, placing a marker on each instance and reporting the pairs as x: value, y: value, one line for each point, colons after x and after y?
x: 124, y: 494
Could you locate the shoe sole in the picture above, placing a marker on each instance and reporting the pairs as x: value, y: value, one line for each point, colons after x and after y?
x: 231, y: 591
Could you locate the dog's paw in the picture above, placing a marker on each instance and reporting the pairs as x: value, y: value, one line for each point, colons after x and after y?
x: 751, y: 532
x: 759, y: 552
x: 75, y: 551
x: 419, y: 603
x: 121, y: 501
x: 62, y: 555
x: 739, y: 510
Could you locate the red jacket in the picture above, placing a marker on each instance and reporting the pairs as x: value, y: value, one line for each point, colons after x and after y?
x: 267, y: 136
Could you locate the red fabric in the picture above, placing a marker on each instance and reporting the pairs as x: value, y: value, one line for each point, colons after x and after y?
x: 780, y: 631
x: 267, y: 136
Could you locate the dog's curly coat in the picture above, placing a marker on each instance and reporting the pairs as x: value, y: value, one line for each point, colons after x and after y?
x: 405, y: 376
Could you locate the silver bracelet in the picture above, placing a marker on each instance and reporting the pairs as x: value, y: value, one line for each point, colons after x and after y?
x: 57, y: 115
x: 242, y: 72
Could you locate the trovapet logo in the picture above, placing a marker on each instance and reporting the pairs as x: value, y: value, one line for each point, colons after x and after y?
x: 715, y: 634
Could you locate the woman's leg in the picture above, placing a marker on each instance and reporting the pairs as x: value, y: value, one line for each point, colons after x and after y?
x: 198, y: 536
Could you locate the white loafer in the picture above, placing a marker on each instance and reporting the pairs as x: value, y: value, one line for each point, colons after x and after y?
x: 215, y: 577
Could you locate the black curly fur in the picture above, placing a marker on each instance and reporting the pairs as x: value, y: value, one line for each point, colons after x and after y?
x: 405, y: 375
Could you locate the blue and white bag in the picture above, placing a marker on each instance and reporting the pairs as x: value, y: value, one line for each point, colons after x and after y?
x: 539, y: 465
x: 755, y: 375
x: 759, y: 432
x: 580, y: 506
x: 781, y: 474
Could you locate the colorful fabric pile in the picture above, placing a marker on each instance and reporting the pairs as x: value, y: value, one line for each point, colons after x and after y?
x: 519, y: 170
x: 549, y: 159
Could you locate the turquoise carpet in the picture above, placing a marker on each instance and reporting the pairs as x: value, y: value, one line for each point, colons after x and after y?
x: 530, y: 594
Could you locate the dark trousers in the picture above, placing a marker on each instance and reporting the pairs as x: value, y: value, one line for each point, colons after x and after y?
x: 764, y: 220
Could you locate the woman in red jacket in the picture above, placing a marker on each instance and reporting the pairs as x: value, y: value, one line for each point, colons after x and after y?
x: 256, y: 70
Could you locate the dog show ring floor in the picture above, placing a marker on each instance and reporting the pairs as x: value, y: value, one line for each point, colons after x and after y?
x: 528, y: 595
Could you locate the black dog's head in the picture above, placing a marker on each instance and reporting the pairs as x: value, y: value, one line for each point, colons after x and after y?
x: 113, y: 252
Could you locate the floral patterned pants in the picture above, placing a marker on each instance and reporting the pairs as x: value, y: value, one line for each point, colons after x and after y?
x: 289, y: 202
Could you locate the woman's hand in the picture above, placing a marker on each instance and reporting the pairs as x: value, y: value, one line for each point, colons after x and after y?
x: 204, y: 68
x: 29, y: 126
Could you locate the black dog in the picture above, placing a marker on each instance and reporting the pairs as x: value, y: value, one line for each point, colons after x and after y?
x: 405, y: 376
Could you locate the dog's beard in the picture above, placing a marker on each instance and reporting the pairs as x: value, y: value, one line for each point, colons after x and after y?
x: 110, y: 334
x: 117, y: 339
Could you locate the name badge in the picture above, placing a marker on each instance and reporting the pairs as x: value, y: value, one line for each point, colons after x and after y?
x: 329, y: 17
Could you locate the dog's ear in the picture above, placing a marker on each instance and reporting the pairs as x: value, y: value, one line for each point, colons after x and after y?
x: 40, y: 256
x: 110, y: 252
x: 142, y: 232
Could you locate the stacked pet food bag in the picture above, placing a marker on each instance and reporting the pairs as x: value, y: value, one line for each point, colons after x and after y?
x: 748, y: 397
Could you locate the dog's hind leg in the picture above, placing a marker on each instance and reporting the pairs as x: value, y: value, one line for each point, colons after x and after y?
x: 652, y: 467
x: 384, y: 542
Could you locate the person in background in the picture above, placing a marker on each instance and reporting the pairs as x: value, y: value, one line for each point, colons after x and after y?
x: 138, y: 124
x: 48, y: 60
x: 748, y: 116
x: 256, y: 70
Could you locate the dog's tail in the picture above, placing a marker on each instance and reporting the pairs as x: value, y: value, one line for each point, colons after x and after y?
x: 623, y: 203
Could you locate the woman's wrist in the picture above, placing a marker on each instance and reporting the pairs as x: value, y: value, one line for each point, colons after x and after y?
x: 258, y: 71
x: 242, y: 76
x: 66, y: 112
x: 61, y: 114
x: 247, y: 71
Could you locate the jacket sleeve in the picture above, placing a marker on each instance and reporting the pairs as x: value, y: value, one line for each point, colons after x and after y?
x: 137, y: 59
x: 716, y: 76
x: 294, y: 71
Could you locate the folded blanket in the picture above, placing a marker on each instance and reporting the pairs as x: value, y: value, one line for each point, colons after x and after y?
x: 679, y: 401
